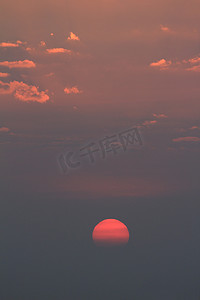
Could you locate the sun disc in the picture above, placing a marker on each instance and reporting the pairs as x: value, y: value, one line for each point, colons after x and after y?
x: 110, y: 232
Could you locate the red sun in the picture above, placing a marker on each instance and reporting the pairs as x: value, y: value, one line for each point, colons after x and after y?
x: 110, y: 232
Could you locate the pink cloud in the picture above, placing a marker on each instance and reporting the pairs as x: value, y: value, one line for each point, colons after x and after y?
x: 4, y: 74
x: 72, y: 90
x: 192, y: 64
x: 194, y: 60
x: 194, y: 68
x: 23, y: 91
x: 160, y: 116
x: 58, y: 50
x: 162, y: 64
x: 29, y: 49
x: 194, y: 127
x: 18, y: 64
x: 147, y: 123
x: 49, y: 74
x: 4, y: 129
x: 10, y: 45
x: 73, y: 37
x: 187, y: 139
x: 5, y: 88
x: 164, y: 28
x: 42, y: 43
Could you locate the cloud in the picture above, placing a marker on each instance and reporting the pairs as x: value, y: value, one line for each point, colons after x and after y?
x: 72, y: 90
x: 6, y: 45
x: 194, y: 68
x: 194, y: 127
x: 10, y: 45
x: 75, y: 107
x: 5, y: 88
x: 23, y: 91
x: 42, y: 43
x: 29, y: 49
x: 192, y: 64
x: 4, y: 74
x: 4, y: 129
x: 160, y: 116
x: 194, y: 60
x: 162, y: 64
x: 49, y: 74
x: 164, y: 28
x: 147, y: 123
x: 73, y: 37
x: 187, y: 139
x: 18, y: 64
x: 58, y: 50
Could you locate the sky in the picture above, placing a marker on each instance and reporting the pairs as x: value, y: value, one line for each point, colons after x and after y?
x: 78, y: 73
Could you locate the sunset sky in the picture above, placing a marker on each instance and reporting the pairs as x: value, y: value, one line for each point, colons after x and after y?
x: 72, y: 73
